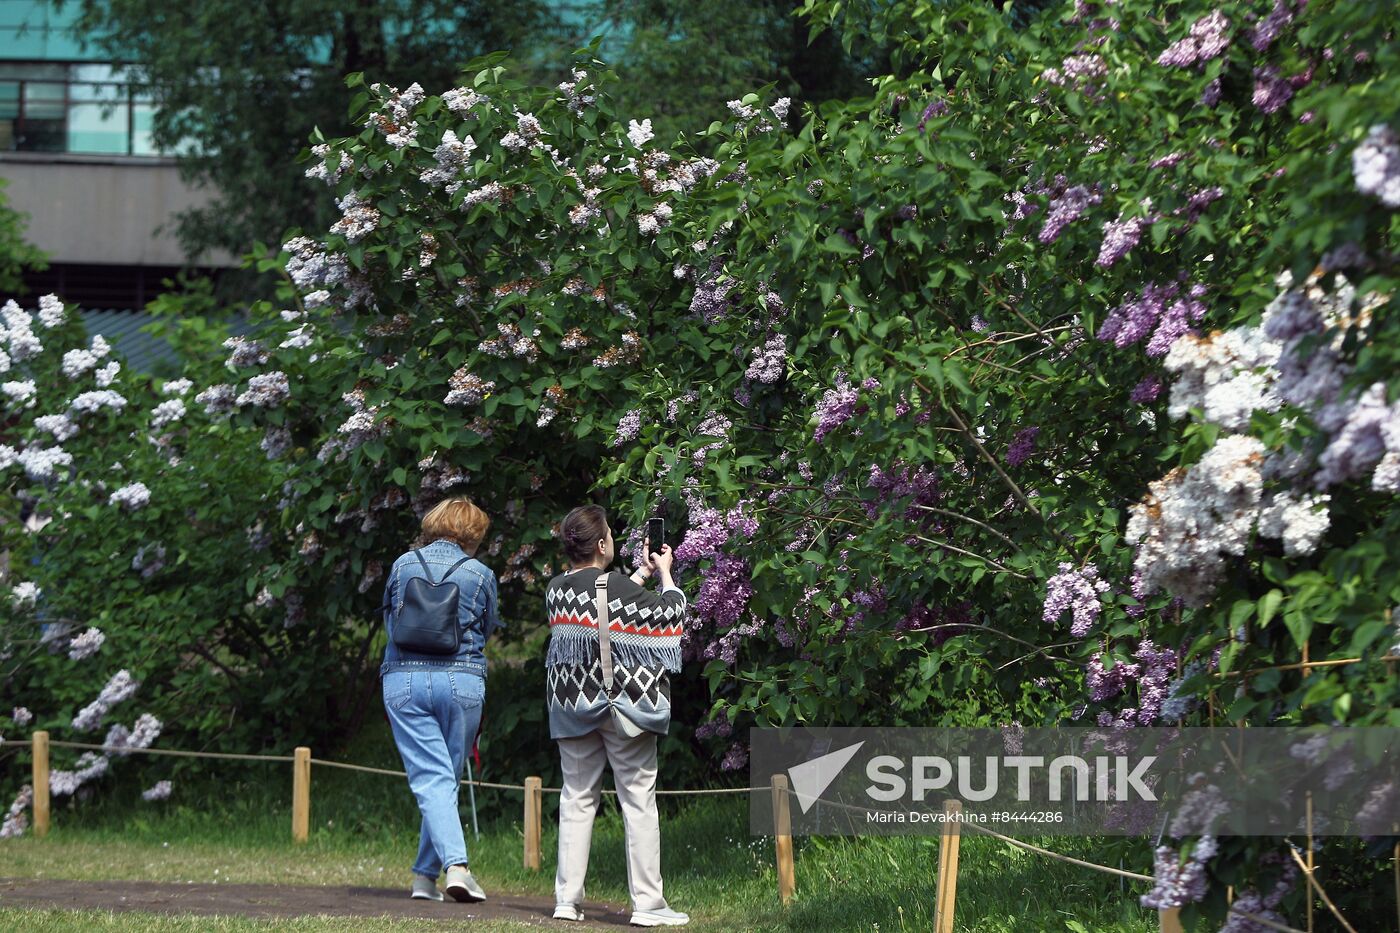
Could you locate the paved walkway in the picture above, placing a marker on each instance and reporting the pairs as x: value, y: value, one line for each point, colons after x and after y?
x: 273, y: 900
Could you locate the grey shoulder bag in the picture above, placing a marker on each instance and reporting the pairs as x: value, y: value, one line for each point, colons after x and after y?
x: 620, y: 720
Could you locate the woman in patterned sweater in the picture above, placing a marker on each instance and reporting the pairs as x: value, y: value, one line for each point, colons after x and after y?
x: 645, y: 636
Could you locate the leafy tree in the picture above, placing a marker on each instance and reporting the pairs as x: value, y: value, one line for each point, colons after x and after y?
x: 679, y: 62
x: 16, y: 255
x: 239, y: 87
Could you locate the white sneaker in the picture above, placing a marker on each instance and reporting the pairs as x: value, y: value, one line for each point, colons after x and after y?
x: 425, y: 889
x: 462, y: 886
x: 660, y: 917
x: 567, y: 912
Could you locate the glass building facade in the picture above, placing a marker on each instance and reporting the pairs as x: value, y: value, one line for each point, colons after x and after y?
x: 57, y: 96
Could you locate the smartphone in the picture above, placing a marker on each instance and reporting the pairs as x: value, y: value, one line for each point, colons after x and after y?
x: 656, y: 535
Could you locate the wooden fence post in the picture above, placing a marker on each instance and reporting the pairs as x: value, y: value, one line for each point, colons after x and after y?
x: 40, y: 748
x: 534, y: 803
x: 782, y: 838
x: 1170, y: 919
x: 301, y: 794
x: 947, y: 893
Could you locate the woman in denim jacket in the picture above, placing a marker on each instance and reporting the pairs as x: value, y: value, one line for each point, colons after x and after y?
x: 434, y: 702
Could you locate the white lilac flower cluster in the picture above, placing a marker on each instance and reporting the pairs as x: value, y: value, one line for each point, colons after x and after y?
x: 276, y: 442
x: 89, y: 766
x: 639, y: 134
x: 266, y: 390
x: 60, y: 426
x: 132, y: 496
x: 573, y: 99
x: 51, y: 312
x: 40, y: 462
x: 467, y: 388
x: 87, y: 403
x: 17, y: 817
x: 395, y: 118
x: 86, y: 645
x: 159, y: 791
x: 176, y: 387
x: 120, y: 687
x: 451, y: 156
x: 142, y: 734
x: 527, y: 133
x: 167, y: 412
x: 25, y: 595
x: 1376, y: 165
x: 463, y: 101
x: 18, y: 330
x: 1227, y: 375
x: 358, y: 218
x: 310, y: 266
x: 649, y: 223
x: 1194, y: 516
x: 629, y: 426
x: 512, y: 342
x: 331, y: 167
x: 77, y: 362
x: 21, y: 392
x: 217, y: 399
x: 360, y: 428
x: 21, y: 716
x: 149, y: 564
x: 299, y: 339
x: 108, y: 374
x: 374, y: 571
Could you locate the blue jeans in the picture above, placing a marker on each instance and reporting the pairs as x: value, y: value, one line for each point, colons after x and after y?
x: 434, y: 716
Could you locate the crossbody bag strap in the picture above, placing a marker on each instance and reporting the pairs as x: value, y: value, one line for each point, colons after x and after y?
x: 604, y: 645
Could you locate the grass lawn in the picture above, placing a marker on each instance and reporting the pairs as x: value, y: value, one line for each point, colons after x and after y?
x: 364, y: 833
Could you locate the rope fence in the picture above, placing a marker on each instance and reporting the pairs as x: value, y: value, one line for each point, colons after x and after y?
x: 533, y: 789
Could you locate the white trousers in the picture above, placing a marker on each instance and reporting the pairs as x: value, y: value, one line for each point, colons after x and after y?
x: 633, y: 764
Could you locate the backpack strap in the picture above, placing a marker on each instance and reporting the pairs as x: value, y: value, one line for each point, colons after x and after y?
x: 418, y: 553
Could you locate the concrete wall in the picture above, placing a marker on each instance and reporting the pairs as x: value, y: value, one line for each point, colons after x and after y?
x: 101, y: 209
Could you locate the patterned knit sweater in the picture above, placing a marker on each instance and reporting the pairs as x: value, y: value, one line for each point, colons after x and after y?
x: 645, y: 634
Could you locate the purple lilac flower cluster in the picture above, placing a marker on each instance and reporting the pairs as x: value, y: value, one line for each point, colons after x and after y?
x: 1268, y: 29
x: 1177, y: 883
x: 917, y: 485
x: 836, y: 407
x: 936, y: 108
x: 950, y: 617
x: 725, y: 592
x: 1208, y: 38
x: 1163, y: 311
x: 768, y: 361
x: 1271, y: 91
x: 1065, y: 210
x: 1147, y: 390
x: 1075, y: 591
x: 1119, y: 238
x: 1022, y: 446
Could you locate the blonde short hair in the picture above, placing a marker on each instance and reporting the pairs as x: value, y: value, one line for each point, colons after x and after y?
x: 457, y: 519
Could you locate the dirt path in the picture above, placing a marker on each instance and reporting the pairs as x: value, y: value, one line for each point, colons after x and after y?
x: 269, y: 901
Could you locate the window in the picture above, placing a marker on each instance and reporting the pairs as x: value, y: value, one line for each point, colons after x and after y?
x: 83, y: 108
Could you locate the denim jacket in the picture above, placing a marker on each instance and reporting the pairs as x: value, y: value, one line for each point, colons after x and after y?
x: 477, y: 609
